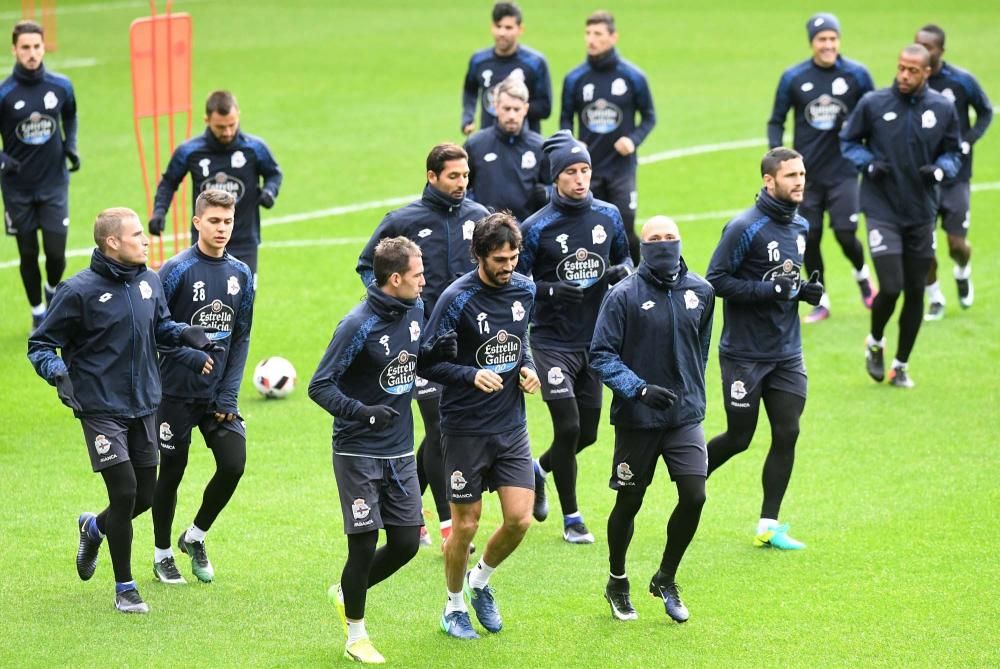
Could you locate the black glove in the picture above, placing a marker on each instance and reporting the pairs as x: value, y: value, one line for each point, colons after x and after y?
x: 784, y: 289
x: 877, y: 169
x: 812, y: 291
x: 195, y: 337
x: 931, y: 174
x: 560, y: 291
x: 616, y: 273
x: 157, y: 223
x: 8, y: 165
x: 444, y: 348
x: 64, y: 389
x: 539, y: 197
x: 265, y: 199
x: 657, y: 397
x: 74, y: 160
x: 378, y: 416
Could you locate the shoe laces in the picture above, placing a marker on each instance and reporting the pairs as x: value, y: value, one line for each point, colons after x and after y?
x: 131, y: 596
x: 198, y: 553
x: 169, y: 566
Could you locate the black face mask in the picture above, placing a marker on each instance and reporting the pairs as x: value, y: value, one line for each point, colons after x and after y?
x: 664, y: 258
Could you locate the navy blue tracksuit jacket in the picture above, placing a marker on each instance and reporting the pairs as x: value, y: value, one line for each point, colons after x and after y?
x: 961, y: 87
x: 506, y: 170
x: 487, y: 69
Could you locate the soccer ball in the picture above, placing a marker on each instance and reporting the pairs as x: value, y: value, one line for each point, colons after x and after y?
x: 274, y: 377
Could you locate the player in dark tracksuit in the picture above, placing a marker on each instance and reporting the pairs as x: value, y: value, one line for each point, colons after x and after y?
x: 38, y: 126
x: 962, y: 89
x: 506, y: 58
x: 823, y: 90
x: 203, y: 285
x: 756, y: 270
x: 226, y: 158
x: 107, y: 321
x: 441, y: 223
x: 905, y: 140
x: 604, y: 94
x: 650, y: 347
x: 483, y: 421
x: 507, y: 169
x: 574, y: 248
x: 366, y: 380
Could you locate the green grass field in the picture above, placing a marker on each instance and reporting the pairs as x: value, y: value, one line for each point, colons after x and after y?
x: 895, y: 492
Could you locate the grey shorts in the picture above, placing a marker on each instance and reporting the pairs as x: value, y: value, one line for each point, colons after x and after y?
x: 842, y: 199
x: 636, y: 451
x: 568, y: 375
x: 477, y: 463
x: 744, y: 381
x: 891, y: 239
x: 111, y: 441
x: 375, y: 492
x: 176, y: 420
x: 954, y: 208
x: 27, y: 211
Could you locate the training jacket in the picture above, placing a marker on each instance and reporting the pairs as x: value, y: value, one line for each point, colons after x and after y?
x: 506, y: 170
x: 487, y: 69
x: 961, y: 87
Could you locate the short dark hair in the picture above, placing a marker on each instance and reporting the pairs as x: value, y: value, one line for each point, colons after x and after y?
x: 441, y: 154
x: 27, y: 27
x: 935, y: 30
x: 919, y: 50
x: 772, y: 160
x: 602, y: 16
x: 494, y: 232
x: 221, y: 103
x: 392, y: 256
x: 502, y: 10
x: 213, y: 197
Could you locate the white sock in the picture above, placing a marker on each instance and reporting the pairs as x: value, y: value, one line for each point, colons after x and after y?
x: 870, y: 341
x: 456, y: 602
x: 933, y: 292
x: 445, y: 524
x: 162, y: 553
x: 765, y: 524
x: 480, y: 574
x: 541, y: 470
x: 48, y: 288
x: 824, y: 301
x: 963, y: 272
x: 861, y: 274
x: 356, y: 631
x: 194, y: 533
x: 896, y: 364
x: 38, y: 309
x: 618, y: 577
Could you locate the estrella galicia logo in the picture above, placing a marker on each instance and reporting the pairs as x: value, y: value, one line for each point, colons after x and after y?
x: 399, y: 375
x: 36, y: 129
x: 583, y: 267
x: 225, y: 182
x: 602, y: 116
x: 823, y: 112
x: 217, y: 314
x: 789, y: 269
x: 500, y: 354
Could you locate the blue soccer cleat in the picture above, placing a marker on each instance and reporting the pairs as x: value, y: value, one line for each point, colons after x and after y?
x: 458, y: 625
x: 777, y: 537
x: 484, y: 605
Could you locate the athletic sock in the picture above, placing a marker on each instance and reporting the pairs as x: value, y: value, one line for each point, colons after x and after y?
x: 572, y: 519
x: 963, y: 273
x: 92, y: 530
x: 479, y: 577
x: 456, y: 602
x: 124, y: 587
x: 871, y: 341
x: 356, y: 631
x: 541, y: 470
x: 896, y: 364
x: 38, y: 309
x: 160, y: 554
x: 195, y: 534
x: 824, y: 301
x: 861, y: 274
x: 765, y: 524
x: 934, y: 294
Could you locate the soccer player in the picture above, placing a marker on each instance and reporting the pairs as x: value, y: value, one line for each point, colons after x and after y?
x: 905, y: 140
x: 483, y: 423
x: 226, y: 158
x: 574, y: 248
x: 203, y: 285
x: 963, y: 89
x: 107, y: 321
x: 506, y: 168
x: 365, y: 380
x: 822, y: 91
x: 657, y: 324
x: 38, y: 125
x: 441, y: 223
x: 506, y: 58
x: 756, y: 271
x: 605, y: 93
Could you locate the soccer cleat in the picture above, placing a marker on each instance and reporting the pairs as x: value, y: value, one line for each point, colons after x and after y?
x: 200, y: 566
x: 899, y: 378
x: 541, y: 508
x: 867, y: 292
x: 621, y: 603
x: 458, y: 625
x: 484, y: 605
x: 935, y: 311
x: 86, y: 553
x: 875, y: 361
x: 425, y: 538
x: 777, y: 537
x: 363, y: 651
x: 166, y: 572
x: 671, y: 600
x: 129, y: 601
x: 577, y: 533
x: 817, y: 314
x: 965, y: 292
x: 336, y: 595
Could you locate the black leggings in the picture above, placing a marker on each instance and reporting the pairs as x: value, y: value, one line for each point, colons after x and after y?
x: 573, y: 429
x: 783, y: 412
x: 430, y: 460
x: 680, y: 528
x: 849, y: 244
x: 900, y: 274
x: 55, y: 262
x: 366, y: 567
x: 130, y: 493
x: 230, y: 451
